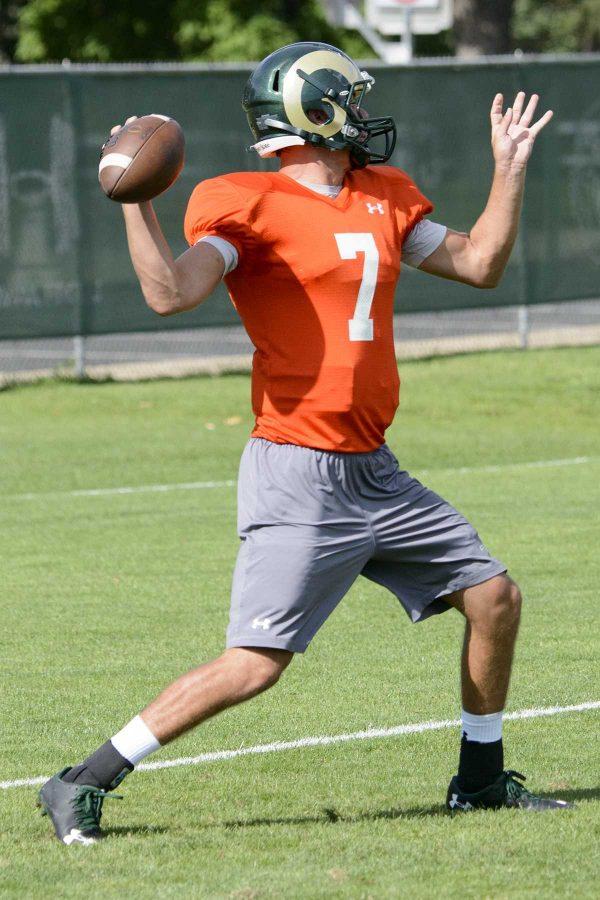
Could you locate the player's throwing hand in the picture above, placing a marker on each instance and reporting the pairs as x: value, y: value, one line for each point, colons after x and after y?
x: 513, y: 135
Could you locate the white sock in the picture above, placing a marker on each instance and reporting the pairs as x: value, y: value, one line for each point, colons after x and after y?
x: 483, y: 729
x: 135, y: 741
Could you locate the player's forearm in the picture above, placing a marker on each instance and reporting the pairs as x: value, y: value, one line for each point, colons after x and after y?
x: 152, y: 260
x: 494, y: 234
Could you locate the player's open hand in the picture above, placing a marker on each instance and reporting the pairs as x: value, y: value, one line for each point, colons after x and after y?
x: 513, y: 135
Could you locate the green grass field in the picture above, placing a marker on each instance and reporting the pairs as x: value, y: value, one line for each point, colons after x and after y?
x: 108, y: 597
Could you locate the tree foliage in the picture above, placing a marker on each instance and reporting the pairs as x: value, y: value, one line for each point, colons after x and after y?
x: 94, y: 30
x: 557, y: 25
x: 217, y: 30
x: 235, y: 29
x: 213, y: 30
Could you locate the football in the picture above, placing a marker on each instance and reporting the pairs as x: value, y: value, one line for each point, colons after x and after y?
x: 142, y: 159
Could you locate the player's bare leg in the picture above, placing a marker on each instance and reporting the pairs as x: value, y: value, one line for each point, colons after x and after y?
x: 74, y: 797
x: 237, y: 675
x: 492, y: 610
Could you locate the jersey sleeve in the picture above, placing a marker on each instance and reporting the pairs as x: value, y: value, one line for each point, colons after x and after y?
x: 217, y: 209
x: 421, y: 241
x: 410, y: 203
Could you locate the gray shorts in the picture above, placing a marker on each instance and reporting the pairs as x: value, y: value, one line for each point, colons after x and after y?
x: 312, y: 521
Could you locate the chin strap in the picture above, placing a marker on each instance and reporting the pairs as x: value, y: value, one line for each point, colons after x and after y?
x: 360, y: 154
x: 265, y: 122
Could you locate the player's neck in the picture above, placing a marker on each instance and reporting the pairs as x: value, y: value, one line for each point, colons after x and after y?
x: 315, y: 165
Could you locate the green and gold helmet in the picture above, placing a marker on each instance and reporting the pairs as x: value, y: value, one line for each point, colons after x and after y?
x: 312, y: 93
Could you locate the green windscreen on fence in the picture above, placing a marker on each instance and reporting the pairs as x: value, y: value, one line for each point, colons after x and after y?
x: 64, y: 266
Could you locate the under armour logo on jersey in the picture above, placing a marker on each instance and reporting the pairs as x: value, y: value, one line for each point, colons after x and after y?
x: 263, y: 624
x: 375, y: 208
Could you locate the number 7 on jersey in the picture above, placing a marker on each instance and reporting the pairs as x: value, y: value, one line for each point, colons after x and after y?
x: 360, y: 326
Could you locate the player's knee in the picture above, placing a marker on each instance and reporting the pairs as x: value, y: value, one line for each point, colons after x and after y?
x: 260, y: 669
x: 264, y: 672
x: 506, y: 600
x: 494, y: 605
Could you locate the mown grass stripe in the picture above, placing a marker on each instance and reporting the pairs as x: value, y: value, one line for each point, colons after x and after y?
x: 324, y: 740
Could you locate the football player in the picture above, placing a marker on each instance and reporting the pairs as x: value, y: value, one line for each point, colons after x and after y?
x: 311, y: 255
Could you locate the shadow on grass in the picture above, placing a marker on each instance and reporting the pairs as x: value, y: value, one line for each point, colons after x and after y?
x: 329, y: 816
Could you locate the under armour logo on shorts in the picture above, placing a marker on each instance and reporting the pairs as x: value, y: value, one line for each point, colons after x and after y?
x: 263, y: 624
x: 375, y: 208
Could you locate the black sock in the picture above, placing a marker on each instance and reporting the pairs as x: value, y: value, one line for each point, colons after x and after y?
x: 479, y: 765
x: 105, y: 768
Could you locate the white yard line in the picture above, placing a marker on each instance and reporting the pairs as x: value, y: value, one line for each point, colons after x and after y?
x: 206, y: 485
x: 505, y: 467
x: 139, y: 489
x: 324, y: 740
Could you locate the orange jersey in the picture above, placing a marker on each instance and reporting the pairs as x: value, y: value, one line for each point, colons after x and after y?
x: 314, y: 287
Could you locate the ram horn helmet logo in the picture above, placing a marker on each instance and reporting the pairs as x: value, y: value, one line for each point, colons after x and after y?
x: 294, y: 81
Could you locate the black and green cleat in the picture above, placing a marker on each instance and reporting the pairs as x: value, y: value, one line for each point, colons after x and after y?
x: 74, y: 809
x: 506, y: 792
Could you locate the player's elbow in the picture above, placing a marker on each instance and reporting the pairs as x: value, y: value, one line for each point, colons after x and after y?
x: 484, y: 269
x: 489, y: 281
x: 162, y: 304
x: 172, y: 302
x: 481, y: 281
x: 486, y: 275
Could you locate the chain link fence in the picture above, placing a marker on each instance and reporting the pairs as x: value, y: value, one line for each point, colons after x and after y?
x: 172, y: 354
